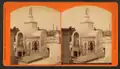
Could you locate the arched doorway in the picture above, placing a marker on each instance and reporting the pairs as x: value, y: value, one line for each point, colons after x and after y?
x: 76, y: 50
x: 20, y: 46
x: 76, y: 39
x: 35, y: 45
x: 91, y: 46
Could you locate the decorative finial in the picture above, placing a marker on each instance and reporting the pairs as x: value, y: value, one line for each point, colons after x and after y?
x: 86, y: 13
x: 30, y: 14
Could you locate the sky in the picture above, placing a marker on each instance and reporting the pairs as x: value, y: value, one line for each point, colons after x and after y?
x: 101, y: 18
x: 44, y: 16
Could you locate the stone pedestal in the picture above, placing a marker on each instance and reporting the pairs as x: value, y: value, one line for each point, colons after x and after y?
x: 66, y: 55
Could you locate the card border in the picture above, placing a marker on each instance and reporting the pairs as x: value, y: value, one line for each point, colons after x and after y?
x: 10, y: 6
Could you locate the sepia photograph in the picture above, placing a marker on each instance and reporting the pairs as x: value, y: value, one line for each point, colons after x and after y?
x: 35, y: 35
x: 47, y: 34
x: 86, y: 35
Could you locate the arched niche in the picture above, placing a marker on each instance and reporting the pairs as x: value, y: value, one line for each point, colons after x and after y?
x: 91, y: 45
x: 20, y: 44
x: 75, y: 44
x: 75, y: 39
x: 35, y: 45
x: 20, y: 39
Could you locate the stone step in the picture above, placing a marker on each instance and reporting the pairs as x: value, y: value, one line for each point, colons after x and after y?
x: 33, y: 57
x: 89, y: 57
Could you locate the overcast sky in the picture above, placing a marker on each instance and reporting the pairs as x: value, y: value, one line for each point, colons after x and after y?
x: 73, y: 16
x: 44, y: 16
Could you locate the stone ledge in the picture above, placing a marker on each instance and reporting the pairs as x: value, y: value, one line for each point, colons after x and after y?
x: 32, y: 58
x: 88, y: 58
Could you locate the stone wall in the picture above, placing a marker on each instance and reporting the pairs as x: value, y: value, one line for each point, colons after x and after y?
x: 13, y: 59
